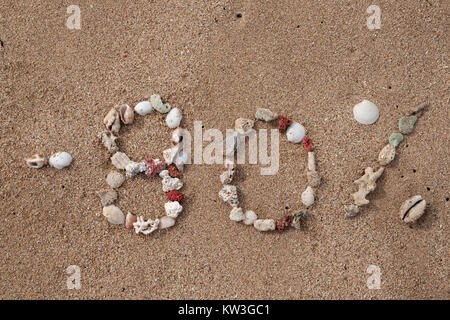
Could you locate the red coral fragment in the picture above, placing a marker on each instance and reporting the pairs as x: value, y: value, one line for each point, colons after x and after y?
x: 284, y: 123
x: 154, y: 167
x: 175, y: 195
x: 284, y: 222
x: 307, y: 142
x: 174, y: 172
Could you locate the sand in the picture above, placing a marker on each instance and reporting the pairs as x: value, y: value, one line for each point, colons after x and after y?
x: 308, y: 60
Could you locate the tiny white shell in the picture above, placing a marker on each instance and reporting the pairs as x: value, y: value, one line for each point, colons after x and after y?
x: 166, y: 222
x: 113, y: 214
x: 115, y: 179
x: 250, y: 217
x: 36, y: 161
x: 295, y: 133
x: 264, y: 224
x: 237, y: 214
x: 173, y: 118
x: 308, y: 196
x: 366, y: 112
x: 60, y: 160
x: 173, y: 208
x: 143, y: 108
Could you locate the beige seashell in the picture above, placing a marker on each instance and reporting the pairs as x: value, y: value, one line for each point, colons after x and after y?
x: 351, y: 211
x: 166, y: 222
x: 113, y: 214
x: 265, y: 115
x: 250, y: 217
x: 107, y: 197
x: 126, y: 113
x: 120, y: 160
x: 115, y: 179
x: 229, y: 195
x: 412, y: 209
x: 366, y: 185
x: 237, y: 214
x: 308, y: 196
x: 108, y: 140
x: 36, y: 161
x: 243, y: 125
x: 112, y: 121
x: 264, y: 224
x: 130, y: 220
x: 387, y: 154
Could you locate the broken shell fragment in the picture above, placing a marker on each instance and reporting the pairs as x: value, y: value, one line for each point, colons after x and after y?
x: 126, y: 113
x: 366, y: 185
x: 308, y: 197
x: 351, y: 211
x: 166, y: 222
x: 145, y: 227
x: 387, y: 154
x: 115, y: 179
x: 120, y: 160
x: 173, y: 118
x: 112, y: 121
x: 107, y: 197
x: 265, y: 115
x: 237, y: 214
x: 60, y: 160
x: 366, y: 112
x: 113, y: 214
x: 242, y: 125
x: 395, y: 139
x: 130, y: 220
x: 229, y: 195
x: 406, y: 124
x: 157, y: 103
x: 108, y: 140
x: 227, y: 176
x: 250, y: 217
x: 264, y: 224
x: 143, y: 108
x: 298, y: 219
x: 36, y: 161
x: 170, y: 154
x: 173, y: 208
x: 412, y: 209
x: 295, y: 132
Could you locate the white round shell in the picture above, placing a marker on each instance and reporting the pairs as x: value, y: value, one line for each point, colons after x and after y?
x: 60, y: 160
x: 173, y: 118
x: 143, y: 108
x: 295, y: 133
x: 366, y: 112
x: 308, y: 196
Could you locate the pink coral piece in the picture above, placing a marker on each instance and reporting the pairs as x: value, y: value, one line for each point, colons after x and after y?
x: 154, y: 166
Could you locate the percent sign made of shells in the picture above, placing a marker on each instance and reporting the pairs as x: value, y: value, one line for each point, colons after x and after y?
x: 169, y: 170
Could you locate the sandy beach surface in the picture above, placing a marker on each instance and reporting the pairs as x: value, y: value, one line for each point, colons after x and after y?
x: 217, y: 61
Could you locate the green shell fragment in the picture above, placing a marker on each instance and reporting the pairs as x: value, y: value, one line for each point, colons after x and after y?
x: 395, y: 138
x: 406, y: 124
x: 157, y: 103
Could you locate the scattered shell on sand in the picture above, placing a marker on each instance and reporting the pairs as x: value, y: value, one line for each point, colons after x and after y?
x: 120, y: 160
x: 366, y: 185
x: 264, y: 224
x: 265, y: 115
x: 387, y: 154
x: 157, y: 103
x: 143, y: 108
x: 173, y: 208
x: 237, y: 214
x: 134, y: 168
x: 412, y: 209
x: 395, y: 139
x: 170, y: 183
x: 166, y: 222
x: 243, y: 125
x: 229, y: 195
x: 173, y: 118
x: 295, y: 132
x: 115, y: 179
x: 60, y: 160
x: 406, y: 124
x: 366, y: 112
x: 308, y: 196
x: 107, y: 197
x: 130, y: 220
x: 298, y: 219
x: 250, y: 217
x: 145, y: 227
x: 108, y: 140
x: 113, y: 214
x: 112, y: 121
x: 36, y: 161
x: 351, y: 211
x: 126, y: 113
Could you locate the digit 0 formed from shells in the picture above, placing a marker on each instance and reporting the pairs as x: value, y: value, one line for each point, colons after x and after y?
x: 366, y: 184
x: 143, y: 108
x: 126, y: 113
x: 173, y: 118
x: 387, y: 154
x: 265, y: 115
x: 308, y: 197
x: 107, y: 197
x: 264, y: 224
x: 157, y: 103
x: 120, y: 160
x: 60, y: 160
x: 112, y: 121
x: 237, y: 214
x: 108, y: 140
x: 366, y: 112
x: 113, y: 214
x: 412, y: 209
x: 229, y: 195
x: 115, y: 179
x: 36, y: 161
